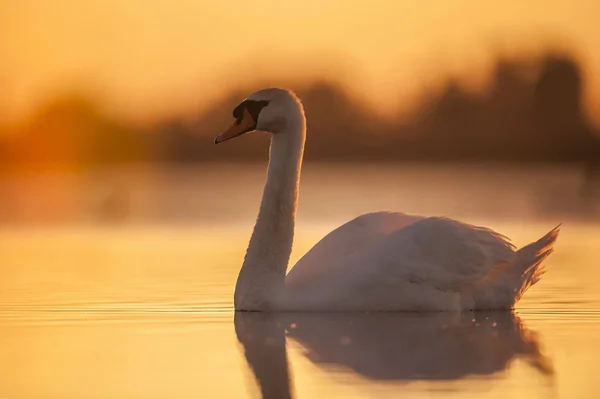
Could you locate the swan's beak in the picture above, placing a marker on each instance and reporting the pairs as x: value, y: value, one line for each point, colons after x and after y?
x: 240, y: 126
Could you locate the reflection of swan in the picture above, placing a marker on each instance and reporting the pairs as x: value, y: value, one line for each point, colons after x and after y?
x: 389, y: 346
x: 378, y: 261
x: 263, y: 337
x: 409, y: 346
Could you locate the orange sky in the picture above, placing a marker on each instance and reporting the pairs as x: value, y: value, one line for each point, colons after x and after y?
x: 148, y: 56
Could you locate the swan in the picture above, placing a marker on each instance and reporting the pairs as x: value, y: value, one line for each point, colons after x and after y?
x: 381, y: 261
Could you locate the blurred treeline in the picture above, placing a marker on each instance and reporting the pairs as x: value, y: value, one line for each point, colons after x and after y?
x: 532, y: 112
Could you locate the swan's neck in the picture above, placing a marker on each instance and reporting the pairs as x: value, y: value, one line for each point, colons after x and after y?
x: 261, y: 280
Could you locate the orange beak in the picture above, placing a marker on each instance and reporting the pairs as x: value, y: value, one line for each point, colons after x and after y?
x: 239, y: 127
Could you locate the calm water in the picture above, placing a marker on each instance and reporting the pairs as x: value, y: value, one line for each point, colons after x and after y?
x: 144, y: 310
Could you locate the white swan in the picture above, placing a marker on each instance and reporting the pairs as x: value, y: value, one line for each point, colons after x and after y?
x: 384, y: 261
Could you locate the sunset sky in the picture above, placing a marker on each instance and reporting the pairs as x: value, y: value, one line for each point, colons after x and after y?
x: 146, y: 57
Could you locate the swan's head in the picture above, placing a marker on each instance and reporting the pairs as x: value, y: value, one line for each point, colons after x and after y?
x: 268, y: 110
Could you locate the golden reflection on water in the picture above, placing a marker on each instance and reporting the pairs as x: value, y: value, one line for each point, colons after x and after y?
x: 146, y: 312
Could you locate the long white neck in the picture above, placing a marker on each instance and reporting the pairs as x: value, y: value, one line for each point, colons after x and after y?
x: 261, y: 280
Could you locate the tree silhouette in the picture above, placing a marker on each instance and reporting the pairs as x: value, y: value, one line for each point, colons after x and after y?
x: 532, y: 112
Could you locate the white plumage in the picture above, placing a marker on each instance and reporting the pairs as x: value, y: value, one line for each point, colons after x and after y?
x: 383, y: 261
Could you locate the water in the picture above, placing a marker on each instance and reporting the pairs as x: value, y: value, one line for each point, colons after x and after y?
x: 145, y: 309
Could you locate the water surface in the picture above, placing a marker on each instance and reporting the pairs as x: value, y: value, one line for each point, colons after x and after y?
x: 145, y: 311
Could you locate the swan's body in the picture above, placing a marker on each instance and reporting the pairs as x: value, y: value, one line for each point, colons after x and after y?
x: 381, y: 261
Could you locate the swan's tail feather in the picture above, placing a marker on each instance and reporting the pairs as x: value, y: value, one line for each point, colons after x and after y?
x: 507, y: 283
x: 532, y: 256
x: 528, y: 266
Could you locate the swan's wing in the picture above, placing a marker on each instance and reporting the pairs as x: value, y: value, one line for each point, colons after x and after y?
x: 347, y: 242
x: 440, y: 252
